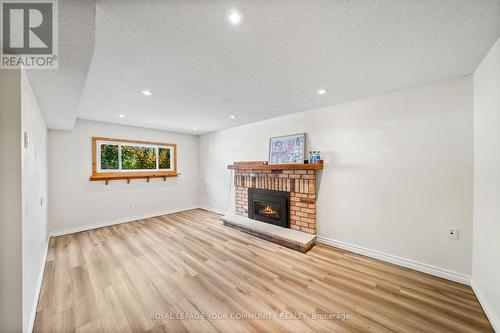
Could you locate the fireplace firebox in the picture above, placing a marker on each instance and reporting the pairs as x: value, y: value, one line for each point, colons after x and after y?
x: 269, y: 206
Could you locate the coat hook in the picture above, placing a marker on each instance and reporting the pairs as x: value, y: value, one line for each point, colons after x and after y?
x: 107, y: 181
x: 128, y: 180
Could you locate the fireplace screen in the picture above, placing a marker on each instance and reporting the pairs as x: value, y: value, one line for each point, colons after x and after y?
x: 267, y: 209
x: 269, y: 206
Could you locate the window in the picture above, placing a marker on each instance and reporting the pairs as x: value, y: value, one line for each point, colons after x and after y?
x: 164, y: 156
x: 119, y: 157
x: 109, y: 157
x: 138, y: 158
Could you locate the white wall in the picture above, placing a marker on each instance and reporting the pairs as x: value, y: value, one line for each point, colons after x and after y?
x: 10, y: 202
x: 76, y: 202
x: 34, y: 201
x: 486, y: 244
x: 398, y: 170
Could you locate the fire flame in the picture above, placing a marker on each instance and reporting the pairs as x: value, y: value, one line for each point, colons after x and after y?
x: 268, y: 210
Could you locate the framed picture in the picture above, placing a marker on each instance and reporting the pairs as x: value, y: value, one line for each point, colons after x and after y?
x: 288, y: 149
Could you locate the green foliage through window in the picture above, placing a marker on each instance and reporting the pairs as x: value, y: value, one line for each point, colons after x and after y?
x: 109, y: 157
x: 138, y: 158
x: 164, y: 156
x: 132, y: 156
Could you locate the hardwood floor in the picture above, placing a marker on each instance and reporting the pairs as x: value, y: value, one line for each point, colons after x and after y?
x: 115, y: 279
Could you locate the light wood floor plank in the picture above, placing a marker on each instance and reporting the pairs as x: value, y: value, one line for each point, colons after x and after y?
x: 164, y: 274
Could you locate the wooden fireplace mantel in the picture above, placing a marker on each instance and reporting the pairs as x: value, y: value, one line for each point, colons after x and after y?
x: 262, y: 166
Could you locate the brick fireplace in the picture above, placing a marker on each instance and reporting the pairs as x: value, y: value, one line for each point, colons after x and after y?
x: 299, y: 181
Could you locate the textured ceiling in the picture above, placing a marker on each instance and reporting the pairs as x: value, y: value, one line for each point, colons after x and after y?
x: 59, y: 91
x: 201, y: 69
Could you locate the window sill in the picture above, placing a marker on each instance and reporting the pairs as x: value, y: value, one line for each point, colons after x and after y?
x: 106, y: 177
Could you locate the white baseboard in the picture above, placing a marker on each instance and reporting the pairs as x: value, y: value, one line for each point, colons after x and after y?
x: 31, y: 322
x: 214, y: 210
x: 492, y: 316
x: 72, y: 230
x: 408, y: 263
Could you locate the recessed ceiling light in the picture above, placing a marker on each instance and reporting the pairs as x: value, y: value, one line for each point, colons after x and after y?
x: 321, y: 91
x: 234, y: 17
x: 195, y: 128
x: 147, y: 92
x: 121, y: 115
x: 233, y: 116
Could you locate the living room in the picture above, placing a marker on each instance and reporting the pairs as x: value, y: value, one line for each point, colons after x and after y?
x: 320, y: 166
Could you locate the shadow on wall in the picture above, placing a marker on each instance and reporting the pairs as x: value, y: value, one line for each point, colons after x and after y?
x: 330, y: 159
x: 135, y: 184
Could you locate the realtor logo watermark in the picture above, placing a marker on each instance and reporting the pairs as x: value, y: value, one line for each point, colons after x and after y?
x: 29, y: 34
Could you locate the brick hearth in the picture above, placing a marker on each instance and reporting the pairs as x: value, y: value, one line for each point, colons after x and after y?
x: 300, y: 183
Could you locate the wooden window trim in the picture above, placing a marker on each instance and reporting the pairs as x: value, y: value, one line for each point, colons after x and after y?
x: 106, y: 176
